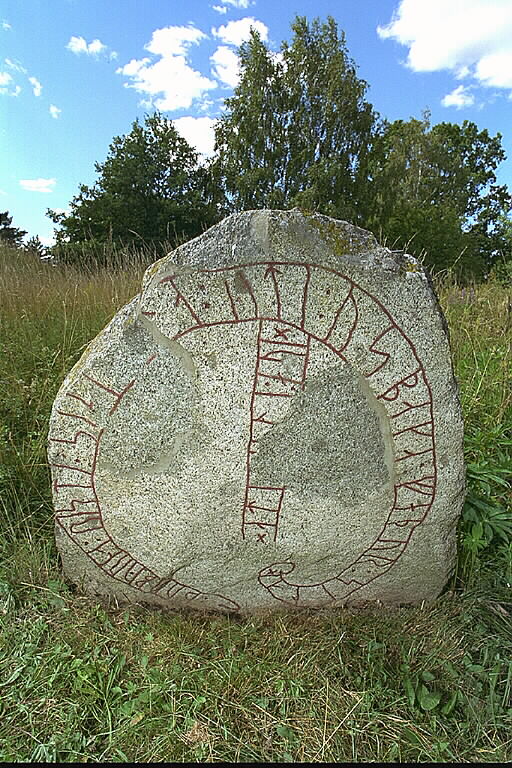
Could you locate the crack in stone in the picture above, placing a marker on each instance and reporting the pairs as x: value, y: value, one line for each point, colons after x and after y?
x: 174, y: 347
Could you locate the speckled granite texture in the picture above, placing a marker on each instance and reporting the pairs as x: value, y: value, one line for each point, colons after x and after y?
x: 272, y: 423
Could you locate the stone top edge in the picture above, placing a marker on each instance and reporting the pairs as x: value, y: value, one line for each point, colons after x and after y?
x: 286, y: 235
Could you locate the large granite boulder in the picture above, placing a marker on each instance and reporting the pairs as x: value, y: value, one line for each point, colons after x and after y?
x: 272, y: 423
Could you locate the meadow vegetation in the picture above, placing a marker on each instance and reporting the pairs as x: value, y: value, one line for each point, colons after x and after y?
x: 85, y: 682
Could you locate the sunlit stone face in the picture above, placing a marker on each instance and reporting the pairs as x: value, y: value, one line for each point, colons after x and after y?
x: 258, y: 429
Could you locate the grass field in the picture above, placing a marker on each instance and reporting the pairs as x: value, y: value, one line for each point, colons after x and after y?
x: 90, y: 683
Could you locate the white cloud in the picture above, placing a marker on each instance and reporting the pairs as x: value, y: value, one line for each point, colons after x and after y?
x: 238, y: 3
x: 236, y: 32
x: 6, y: 79
x: 199, y: 133
x: 495, y: 69
x: 460, y: 97
x: 79, y: 45
x: 225, y: 66
x: 38, y: 185
x: 462, y: 72
x: 169, y: 83
x: 6, y: 82
x: 95, y: 47
x: 206, y: 105
x: 174, y: 41
x: 133, y: 67
x: 36, y: 85
x: 15, y: 65
x: 6, y: 25
x: 235, y: 3
x: 54, y: 111
x: 467, y: 37
x: 47, y: 240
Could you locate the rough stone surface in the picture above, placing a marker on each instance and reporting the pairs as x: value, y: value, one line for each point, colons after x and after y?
x: 272, y: 423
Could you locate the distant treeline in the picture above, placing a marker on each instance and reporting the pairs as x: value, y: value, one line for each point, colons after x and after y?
x: 300, y: 132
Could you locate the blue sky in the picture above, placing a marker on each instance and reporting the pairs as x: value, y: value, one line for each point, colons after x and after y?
x: 76, y: 73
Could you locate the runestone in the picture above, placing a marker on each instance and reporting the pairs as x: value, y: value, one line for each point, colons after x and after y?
x: 272, y: 423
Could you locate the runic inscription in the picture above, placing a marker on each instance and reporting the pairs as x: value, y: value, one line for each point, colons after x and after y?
x: 284, y: 333
x: 80, y: 515
x: 292, y: 307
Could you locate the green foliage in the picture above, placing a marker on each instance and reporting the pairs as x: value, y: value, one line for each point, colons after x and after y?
x: 423, y: 693
x: 436, y: 193
x: 297, y: 130
x: 486, y: 526
x: 93, y: 254
x: 90, y: 684
x: 10, y: 236
x: 481, y: 336
x: 300, y: 132
x: 150, y: 188
x: 502, y: 272
x: 35, y: 246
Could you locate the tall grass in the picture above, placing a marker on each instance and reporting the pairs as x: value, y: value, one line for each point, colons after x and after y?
x: 48, y: 315
x: 480, y: 321
x: 87, y: 682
